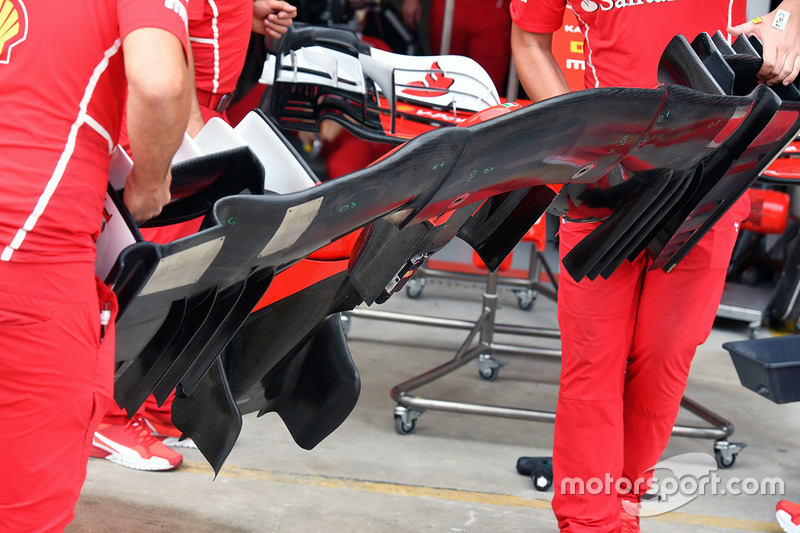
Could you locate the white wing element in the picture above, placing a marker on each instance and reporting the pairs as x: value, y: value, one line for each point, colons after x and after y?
x: 316, y: 65
x: 115, y: 235
x: 445, y: 81
x: 449, y: 81
x: 282, y: 171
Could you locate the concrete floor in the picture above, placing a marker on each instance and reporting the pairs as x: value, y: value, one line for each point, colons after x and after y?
x: 455, y: 472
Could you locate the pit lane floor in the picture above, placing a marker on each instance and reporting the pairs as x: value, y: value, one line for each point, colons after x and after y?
x: 454, y: 472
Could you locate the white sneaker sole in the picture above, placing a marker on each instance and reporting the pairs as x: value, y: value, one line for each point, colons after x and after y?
x: 174, y: 442
x: 785, y: 521
x: 130, y: 458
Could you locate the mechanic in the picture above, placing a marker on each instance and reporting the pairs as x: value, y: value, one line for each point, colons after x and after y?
x: 481, y: 31
x: 779, y: 34
x: 628, y: 341
x: 220, y: 33
x: 56, y: 317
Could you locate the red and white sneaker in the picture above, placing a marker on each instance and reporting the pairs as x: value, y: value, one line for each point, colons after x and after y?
x: 133, y: 446
x: 163, y: 429
x: 788, y: 515
x: 629, y: 514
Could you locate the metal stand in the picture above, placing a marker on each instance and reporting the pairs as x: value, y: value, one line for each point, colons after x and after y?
x: 525, y: 289
x: 410, y: 408
x: 745, y: 303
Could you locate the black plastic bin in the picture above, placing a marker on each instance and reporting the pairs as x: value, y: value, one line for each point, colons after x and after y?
x: 770, y: 367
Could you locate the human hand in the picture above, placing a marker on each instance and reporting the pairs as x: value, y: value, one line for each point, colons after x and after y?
x: 307, y: 137
x: 412, y: 13
x: 781, y: 48
x: 329, y: 130
x: 273, y: 17
x: 146, y: 202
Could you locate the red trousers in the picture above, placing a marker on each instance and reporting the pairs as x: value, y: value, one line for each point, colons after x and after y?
x: 55, y: 382
x: 481, y: 31
x: 116, y: 415
x: 627, y: 346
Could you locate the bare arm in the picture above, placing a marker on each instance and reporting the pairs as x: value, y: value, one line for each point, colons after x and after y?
x: 158, y: 108
x: 781, y: 47
x: 538, y: 70
x: 272, y: 17
x: 196, y: 121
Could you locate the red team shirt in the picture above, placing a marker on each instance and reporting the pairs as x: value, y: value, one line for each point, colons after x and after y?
x: 220, y: 32
x: 624, y: 39
x: 53, y: 180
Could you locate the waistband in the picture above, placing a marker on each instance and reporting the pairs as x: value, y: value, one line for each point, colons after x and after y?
x: 215, y: 101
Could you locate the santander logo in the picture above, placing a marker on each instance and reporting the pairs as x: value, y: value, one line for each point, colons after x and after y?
x: 590, y: 6
x: 435, y: 83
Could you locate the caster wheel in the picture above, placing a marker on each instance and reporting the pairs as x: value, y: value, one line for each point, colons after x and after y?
x: 723, y: 461
x: 402, y: 427
x: 488, y: 373
x: 489, y: 367
x: 542, y: 480
x: 525, y: 299
x: 414, y: 288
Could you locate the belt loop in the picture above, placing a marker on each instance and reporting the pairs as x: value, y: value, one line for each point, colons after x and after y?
x: 215, y: 101
x: 224, y: 102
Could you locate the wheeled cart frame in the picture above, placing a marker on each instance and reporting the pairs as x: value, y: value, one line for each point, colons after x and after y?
x: 526, y: 289
x: 409, y: 408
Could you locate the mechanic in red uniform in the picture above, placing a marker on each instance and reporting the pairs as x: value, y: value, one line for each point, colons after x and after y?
x: 56, y: 354
x: 481, y: 30
x: 781, y: 65
x: 627, y: 342
x: 219, y: 33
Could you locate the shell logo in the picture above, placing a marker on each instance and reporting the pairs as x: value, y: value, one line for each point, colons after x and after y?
x: 13, y: 27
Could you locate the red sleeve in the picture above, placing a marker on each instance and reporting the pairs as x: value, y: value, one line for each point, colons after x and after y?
x: 538, y: 16
x: 169, y: 15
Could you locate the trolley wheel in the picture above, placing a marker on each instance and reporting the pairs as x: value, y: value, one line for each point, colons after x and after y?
x: 724, y: 462
x: 414, y: 288
x: 526, y: 299
x: 489, y: 373
x: 542, y: 479
x: 404, y: 428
